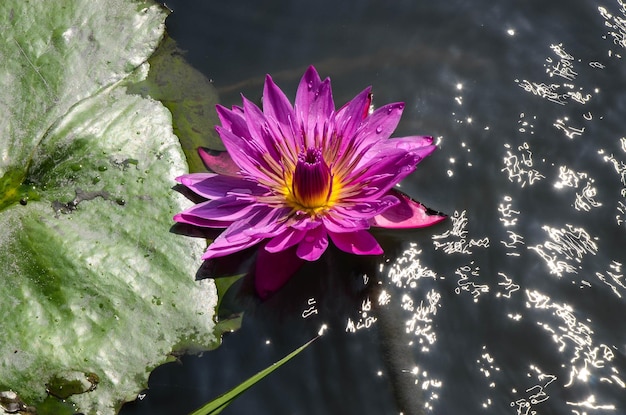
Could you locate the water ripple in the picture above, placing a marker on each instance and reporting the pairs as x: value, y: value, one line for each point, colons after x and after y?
x: 455, y: 240
x: 518, y: 164
x: 565, y: 248
x: 585, y: 358
x: 616, y: 24
x: 614, y: 278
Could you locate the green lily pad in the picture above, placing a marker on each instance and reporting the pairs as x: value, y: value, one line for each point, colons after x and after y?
x: 95, y: 290
x: 190, y: 97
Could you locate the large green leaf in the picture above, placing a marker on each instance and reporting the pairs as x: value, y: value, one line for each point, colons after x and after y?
x: 190, y: 97
x: 94, y: 289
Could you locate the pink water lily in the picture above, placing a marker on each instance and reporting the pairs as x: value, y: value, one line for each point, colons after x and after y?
x: 295, y: 177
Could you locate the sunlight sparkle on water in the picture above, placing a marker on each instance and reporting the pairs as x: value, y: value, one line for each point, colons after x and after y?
x: 384, y: 298
x: 364, y: 320
x: 311, y: 310
x: 516, y: 317
x: 323, y: 328
x: 508, y: 215
x: 590, y: 403
x: 614, y: 278
x: 583, y: 375
x: 566, y: 248
x: 588, y: 358
x: 518, y: 164
x: 454, y: 240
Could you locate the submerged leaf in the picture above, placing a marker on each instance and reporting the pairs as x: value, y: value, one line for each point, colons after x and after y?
x: 96, y: 291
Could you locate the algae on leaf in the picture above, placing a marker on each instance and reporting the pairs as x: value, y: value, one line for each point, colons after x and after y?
x: 95, y: 291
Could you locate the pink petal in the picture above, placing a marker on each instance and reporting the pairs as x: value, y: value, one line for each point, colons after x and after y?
x: 412, y: 142
x: 198, y: 221
x: 382, y: 159
x: 418, y: 145
x: 218, y: 161
x: 221, y: 247
x: 359, y: 243
x: 260, y: 222
x: 365, y: 209
x: 349, y: 117
x: 214, y: 186
x: 193, y: 178
x: 260, y: 129
x: 382, y: 150
x: 339, y: 223
x: 275, y: 103
x: 375, y: 130
x: 273, y: 270
x: 233, y: 121
x: 288, y: 238
x: 313, y: 245
x: 248, y: 155
x: 303, y: 224
x: 314, y: 103
x: 240, y: 235
x: 407, y: 214
x: 382, y: 172
x: 227, y: 209
x: 267, y: 223
x: 345, y: 219
x: 381, y: 124
x: 356, y: 216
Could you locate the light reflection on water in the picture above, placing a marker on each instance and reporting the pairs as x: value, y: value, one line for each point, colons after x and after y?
x: 515, y: 305
x: 518, y: 165
x: 455, y: 239
x: 411, y: 288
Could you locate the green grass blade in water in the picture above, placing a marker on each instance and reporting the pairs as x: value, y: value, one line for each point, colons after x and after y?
x: 217, y: 405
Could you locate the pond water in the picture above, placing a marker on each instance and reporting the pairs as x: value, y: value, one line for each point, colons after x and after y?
x: 514, y: 305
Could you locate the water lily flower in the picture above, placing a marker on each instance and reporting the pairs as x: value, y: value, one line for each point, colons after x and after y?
x: 296, y: 176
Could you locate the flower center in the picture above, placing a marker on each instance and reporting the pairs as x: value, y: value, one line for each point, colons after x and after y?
x: 312, y: 181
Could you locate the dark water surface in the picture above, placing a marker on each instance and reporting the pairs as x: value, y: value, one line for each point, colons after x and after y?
x: 516, y: 305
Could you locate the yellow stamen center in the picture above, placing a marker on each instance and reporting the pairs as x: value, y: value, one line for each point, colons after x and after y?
x: 312, y: 183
